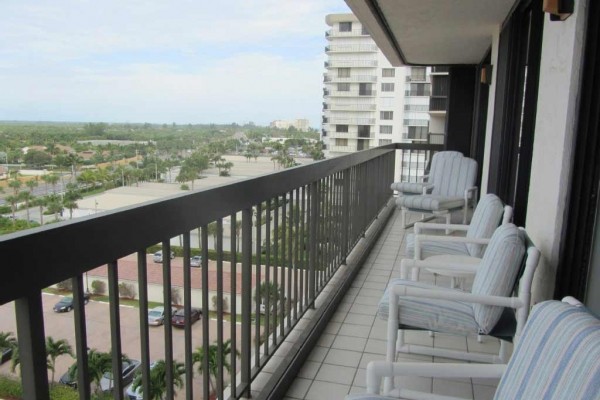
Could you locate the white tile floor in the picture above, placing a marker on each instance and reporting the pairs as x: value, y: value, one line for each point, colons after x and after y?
x: 355, y: 336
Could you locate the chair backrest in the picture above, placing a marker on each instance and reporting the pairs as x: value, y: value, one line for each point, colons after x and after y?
x: 486, y: 218
x: 558, y: 356
x: 451, y: 173
x: 498, y: 272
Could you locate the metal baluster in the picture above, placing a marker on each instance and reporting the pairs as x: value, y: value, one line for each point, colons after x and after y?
x: 258, y: 267
x: 268, y: 276
x: 233, y: 306
x: 312, y: 260
x: 302, y: 249
x: 168, y: 329
x: 187, y: 309
x: 284, y: 271
x: 143, y: 314
x: 205, y: 315
x: 32, y: 346
x: 115, y: 330
x: 220, y: 356
x: 246, y: 361
x: 296, y: 252
x: 290, y: 262
x: 276, y: 265
x: 83, y: 382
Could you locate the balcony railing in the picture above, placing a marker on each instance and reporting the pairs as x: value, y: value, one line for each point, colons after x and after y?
x: 295, y: 227
x: 352, y: 121
x: 338, y: 33
x: 438, y: 103
x: 350, y: 64
x: 354, y: 78
x: 359, y: 48
x: 440, y: 70
x: 352, y: 107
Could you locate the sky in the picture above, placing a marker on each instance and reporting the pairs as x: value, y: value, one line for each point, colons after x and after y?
x: 163, y: 61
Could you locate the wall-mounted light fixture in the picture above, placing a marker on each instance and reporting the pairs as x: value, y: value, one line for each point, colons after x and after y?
x: 559, y: 10
x: 486, y: 74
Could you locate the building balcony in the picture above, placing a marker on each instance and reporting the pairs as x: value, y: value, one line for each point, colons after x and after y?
x: 352, y: 107
x: 353, y: 93
x: 359, y: 48
x: 333, y: 33
x: 351, y: 64
x: 354, y: 78
x: 351, y: 121
x: 440, y: 70
x: 438, y: 104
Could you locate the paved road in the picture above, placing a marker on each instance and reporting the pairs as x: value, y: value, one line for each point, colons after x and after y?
x: 61, y: 326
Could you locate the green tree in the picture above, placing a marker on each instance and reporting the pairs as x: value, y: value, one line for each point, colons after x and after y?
x: 98, y: 363
x: 223, y: 166
x: 26, y: 197
x: 213, y: 360
x: 15, y: 185
x: 7, y: 340
x: 36, y: 158
x: 51, y: 179
x: 40, y: 202
x: 70, y: 198
x: 13, y: 201
x: 55, y: 349
x: 158, y: 379
x: 187, y: 174
x: 55, y: 205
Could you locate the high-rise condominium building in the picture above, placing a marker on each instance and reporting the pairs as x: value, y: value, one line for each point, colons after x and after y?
x: 369, y: 103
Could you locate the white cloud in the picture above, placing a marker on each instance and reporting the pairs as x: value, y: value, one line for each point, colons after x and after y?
x: 163, y: 61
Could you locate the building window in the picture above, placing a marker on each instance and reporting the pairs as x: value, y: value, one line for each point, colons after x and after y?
x: 345, y: 26
x: 341, y: 128
x: 365, y: 89
x: 364, y: 131
x: 365, y: 31
x: 418, y: 89
x: 388, y: 72
x: 387, y: 87
x: 343, y: 72
x: 343, y: 87
x: 383, y: 142
x: 417, y: 132
x: 341, y: 142
x: 385, y: 129
x: 418, y: 73
x: 386, y: 115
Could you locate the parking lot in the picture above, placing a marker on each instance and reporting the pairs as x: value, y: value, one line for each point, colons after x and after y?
x: 61, y: 326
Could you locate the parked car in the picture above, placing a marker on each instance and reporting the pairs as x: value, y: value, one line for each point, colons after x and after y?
x: 156, y: 315
x: 5, y: 354
x: 136, y: 394
x: 179, y: 317
x: 196, y: 261
x: 158, y: 256
x: 129, y: 369
x: 66, y: 303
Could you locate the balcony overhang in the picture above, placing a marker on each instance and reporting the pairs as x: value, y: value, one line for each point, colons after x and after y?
x: 432, y: 32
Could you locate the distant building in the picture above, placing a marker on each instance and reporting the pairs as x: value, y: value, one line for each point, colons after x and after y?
x: 299, y: 124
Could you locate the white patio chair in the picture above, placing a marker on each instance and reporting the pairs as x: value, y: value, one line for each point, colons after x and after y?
x: 450, y: 187
x: 487, y: 216
x: 490, y: 308
x: 556, y: 358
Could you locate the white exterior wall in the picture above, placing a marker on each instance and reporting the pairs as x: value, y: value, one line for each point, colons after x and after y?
x: 360, y: 108
x: 558, y: 101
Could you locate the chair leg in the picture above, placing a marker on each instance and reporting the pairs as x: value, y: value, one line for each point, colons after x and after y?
x: 393, y: 336
x: 403, y: 217
x: 479, y: 338
x: 448, y: 220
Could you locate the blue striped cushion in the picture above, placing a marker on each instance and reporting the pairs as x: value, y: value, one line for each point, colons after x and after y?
x: 452, y: 176
x: 431, y: 314
x: 431, y: 202
x: 409, y: 187
x: 433, y: 248
x: 557, y: 357
x: 497, y: 272
x: 486, y: 218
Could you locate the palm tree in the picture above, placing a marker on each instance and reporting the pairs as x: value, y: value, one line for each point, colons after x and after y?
x: 98, y: 363
x: 41, y: 202
x: 15, y: 184
x: 7, y: 340
x: 12, y: 200
x: 26, y: 197
x: 55, y: 349
x: 71, y: 197
x: 55, y: 205
x: 158, y: 379
x: 51, y: 179
x: 213, y: 360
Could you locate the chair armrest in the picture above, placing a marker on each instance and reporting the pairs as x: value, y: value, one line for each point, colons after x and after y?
x: 458, y: 239
x: 433, y: 226
x: 455, y: 295
x: 381, y: 369
x: 446, y: 266
x: 427, y: 189
x: 470, y: 191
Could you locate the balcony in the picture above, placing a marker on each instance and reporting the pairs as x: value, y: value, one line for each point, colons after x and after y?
x: 353, y: 93
x: 440, y: 70
x: 437, y: 105
x: 352, y: 107
x: 295, y: 228
x: 331, y: 33
x: 351, y: 64
x: 352, y: 121
x: 354, y: 78
x: 362, y: 48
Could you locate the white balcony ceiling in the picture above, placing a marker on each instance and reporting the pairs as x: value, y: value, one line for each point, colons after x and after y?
x: 432, y: 32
